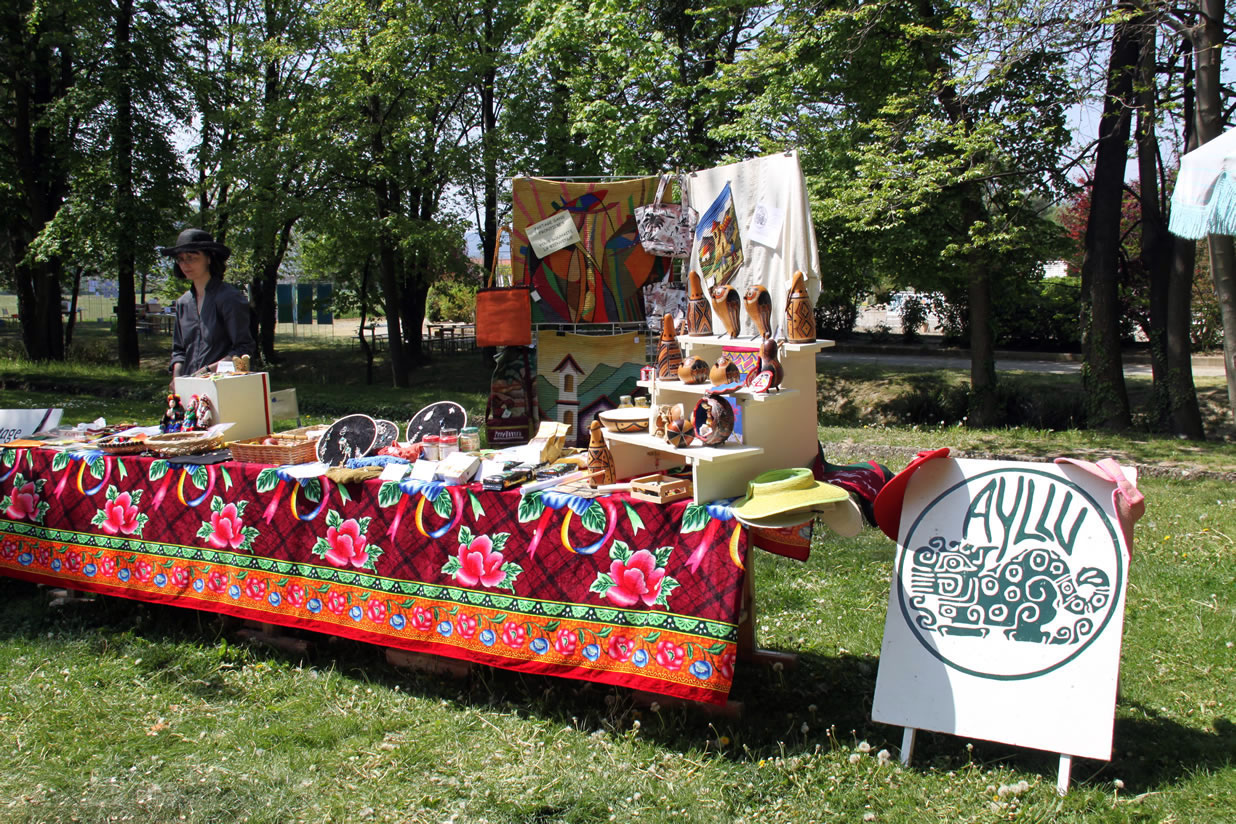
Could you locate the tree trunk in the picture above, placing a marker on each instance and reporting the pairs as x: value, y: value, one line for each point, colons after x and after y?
x: 126, y: 310
x: 983, y: 409
x: 1208, y: 44
x: 1185, y: 416
x: 1107, y: 400
x: 71, y: 317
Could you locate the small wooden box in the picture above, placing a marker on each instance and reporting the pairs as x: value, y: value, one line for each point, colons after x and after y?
x: 660, y: 489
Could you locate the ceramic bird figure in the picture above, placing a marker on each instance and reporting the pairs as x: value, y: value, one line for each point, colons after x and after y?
x: 726, y: 301
x: 759, y: 307
x: 699, y: 315
x: 768, y: 365
x: 693, y: 370
x: 669, y: 356
x: 723, y: 371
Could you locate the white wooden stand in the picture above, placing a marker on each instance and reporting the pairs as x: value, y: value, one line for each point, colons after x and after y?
x: 779, y: 428
x: 1062, y: 771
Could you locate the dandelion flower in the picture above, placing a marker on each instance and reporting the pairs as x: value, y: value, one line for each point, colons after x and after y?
x: 884, y: 756
x: 864, y: 747
x: 855, y: 758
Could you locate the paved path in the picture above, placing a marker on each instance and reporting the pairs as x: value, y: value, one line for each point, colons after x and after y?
x: 1202, y: 366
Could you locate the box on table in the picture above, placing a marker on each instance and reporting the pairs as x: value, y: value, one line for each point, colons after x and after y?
x: 239, y: 399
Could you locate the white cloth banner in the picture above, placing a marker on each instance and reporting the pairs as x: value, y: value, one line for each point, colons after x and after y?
x: 774, y: 182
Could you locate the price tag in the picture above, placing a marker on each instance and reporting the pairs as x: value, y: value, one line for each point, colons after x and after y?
x: 555, y: 232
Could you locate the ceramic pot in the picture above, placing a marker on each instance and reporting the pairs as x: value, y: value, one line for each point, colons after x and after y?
x: 599, y: 457
x: 723, y: 371
x: 713, y: 420
x: 759, y: 307
x: 726, y: 301
x: 699, y: 314
x: 799, y: 313
x: 678, y: 433
x: 669, y: 356
x: 693, y: 370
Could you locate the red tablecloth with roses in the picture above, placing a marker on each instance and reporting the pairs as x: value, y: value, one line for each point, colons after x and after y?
x: 610, y: 589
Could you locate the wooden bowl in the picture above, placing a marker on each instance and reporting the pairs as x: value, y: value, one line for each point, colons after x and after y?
x: 625, y: 419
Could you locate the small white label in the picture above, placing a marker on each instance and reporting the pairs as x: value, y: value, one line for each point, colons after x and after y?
x: 765, y: 225
x: 424, y: 470
x: 310, y: 470
x: 224, y: 367
x: 393, y: 472
x: 536, y: 296
x: 555, y: 232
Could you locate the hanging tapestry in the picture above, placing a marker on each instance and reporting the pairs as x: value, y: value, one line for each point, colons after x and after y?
x: 597, y: 280
x: 718, y: 245
x: 580, y: 376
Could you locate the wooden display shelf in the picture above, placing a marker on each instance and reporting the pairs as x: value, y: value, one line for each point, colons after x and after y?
x: 703, y: 388
x: 690, y: 454
x: 751, y: 343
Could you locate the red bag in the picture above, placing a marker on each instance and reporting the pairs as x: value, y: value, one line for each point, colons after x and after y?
x: 503, y: 313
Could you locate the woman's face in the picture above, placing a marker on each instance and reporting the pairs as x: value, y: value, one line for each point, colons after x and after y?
x: 194, y: 265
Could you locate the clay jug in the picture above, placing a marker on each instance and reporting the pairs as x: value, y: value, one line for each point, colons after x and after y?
x: 599, y: 457
x: 726, y: 301
x: 799, y: 313
x: 723, y: 371
x: 759, y: 307
x: 669, y: 356
x: 693, y: 370
x: 699, y: 315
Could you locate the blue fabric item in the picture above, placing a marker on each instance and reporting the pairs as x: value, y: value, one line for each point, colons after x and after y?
x: 376, y: 460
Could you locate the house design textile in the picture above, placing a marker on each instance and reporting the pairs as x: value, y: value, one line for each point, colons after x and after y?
x: 580, y: 376
x: 611, y: 589
x: 599, y: 279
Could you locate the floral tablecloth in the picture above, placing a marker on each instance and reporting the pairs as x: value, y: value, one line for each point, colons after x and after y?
x: 610, y: 589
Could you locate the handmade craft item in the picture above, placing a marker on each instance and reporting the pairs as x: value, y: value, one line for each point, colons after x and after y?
x: 759, y: 307
x: 699, y: 314
x: 769, y: 374
x: 503, y: 313
x: 667, y: 229
x: 661, y: 418
x: 578, y: 376
x: 433, y: 419
x: 174, y: 417
x: 693, y: 370
x: 716, y: 238
x: 204, y: 412
x: 240, y: 363
x: 190, y: 422
x: 600, y: 461
x: 799, y: 313
x: 349, y: 437
x: 388, y: 433
x: 669, y: 356
x: 723, y: 371
x: 678, y: 433
x: 713, y: 420
x: 726, y: 301
x: 625, y: 419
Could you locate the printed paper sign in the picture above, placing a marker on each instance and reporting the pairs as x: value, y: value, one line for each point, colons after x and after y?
x: 1007, y: 607
x: 22, y: 423
x: 558, y: 231
x: 766, y: 223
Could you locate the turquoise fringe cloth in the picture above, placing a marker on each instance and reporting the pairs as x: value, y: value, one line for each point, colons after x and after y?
x: 1216, y: 216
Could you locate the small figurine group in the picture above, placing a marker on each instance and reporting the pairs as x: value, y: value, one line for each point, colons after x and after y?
x: 198, y: 415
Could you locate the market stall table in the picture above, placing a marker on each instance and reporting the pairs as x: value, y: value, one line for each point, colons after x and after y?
x: 611, y: 589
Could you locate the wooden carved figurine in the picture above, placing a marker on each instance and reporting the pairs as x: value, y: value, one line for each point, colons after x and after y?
x: 699, y: 314
x: 726, y: 301
x: 770, y: 373
x: 669, y: 356
x: 799, y: 313
x: 693, y: 370
x: 759, y: 307
x: 599, y: 458
x: 723, y: 371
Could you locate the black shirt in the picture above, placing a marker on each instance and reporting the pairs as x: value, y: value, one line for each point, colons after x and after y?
x: 221, y: 330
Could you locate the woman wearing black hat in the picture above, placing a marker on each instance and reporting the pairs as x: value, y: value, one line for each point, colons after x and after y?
x: 212, y: 318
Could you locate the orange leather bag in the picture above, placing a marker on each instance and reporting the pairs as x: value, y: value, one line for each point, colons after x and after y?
x: 503, y: 313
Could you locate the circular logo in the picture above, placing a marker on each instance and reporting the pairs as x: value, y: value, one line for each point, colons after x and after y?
x: 1010, y: 574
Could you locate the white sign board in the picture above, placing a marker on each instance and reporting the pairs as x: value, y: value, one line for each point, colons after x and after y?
x: 22, y: 423
x: 558, y: 231
x: 1007, y: 607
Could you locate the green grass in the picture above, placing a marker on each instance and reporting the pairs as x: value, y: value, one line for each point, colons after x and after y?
x: 117, y: 710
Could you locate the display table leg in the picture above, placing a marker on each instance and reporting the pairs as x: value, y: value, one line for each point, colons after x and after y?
x: 273, y: 636
x: 1062, y: 774
x: 431, y: 664
x: 747, y: 649
x: 907, y: 745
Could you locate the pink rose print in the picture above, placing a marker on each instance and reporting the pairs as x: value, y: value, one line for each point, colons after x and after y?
x: 143, y: 571
x: 8, y: 550
x: 73, y: 560
x: 465, y: 625
x: 337, y: 603
x: 725, y: 665
x: 670, y: 655
x: 294, y: 594
x: 377, y: 611
x: 24, y: 502
x: 345, y: 543
x: 180, y: 577
x: 636, y: 579
x: 107, y: 566
x: 217, y: 581
x: 513, y: 635
x: 43, y: 556
x: 621, y: 647
x: 422, y: 619
x: 565, y: 642
x: 255, y: 588
x: 226, y: 528
x: 120, y: 515
x: 477, y: 563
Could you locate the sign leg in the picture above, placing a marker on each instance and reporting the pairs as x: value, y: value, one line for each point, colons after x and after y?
x: 907, y: 745
x: 1062, y: 774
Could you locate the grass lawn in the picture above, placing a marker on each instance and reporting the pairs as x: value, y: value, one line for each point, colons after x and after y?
x: 112, y: 710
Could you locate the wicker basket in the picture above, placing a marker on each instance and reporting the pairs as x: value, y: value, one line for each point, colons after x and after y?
x: 129, y: 447
x: 291, y: 449
x: 173, y: 444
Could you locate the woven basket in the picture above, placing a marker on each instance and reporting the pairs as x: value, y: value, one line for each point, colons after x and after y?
x: 129, y: 447
x: 173, y: 444
x: 292, y: 449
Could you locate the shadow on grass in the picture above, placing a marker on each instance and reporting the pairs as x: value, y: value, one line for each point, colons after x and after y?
x: 830, y: 695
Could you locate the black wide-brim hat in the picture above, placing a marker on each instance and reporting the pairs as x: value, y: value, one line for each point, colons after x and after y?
x: 197, y: 240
